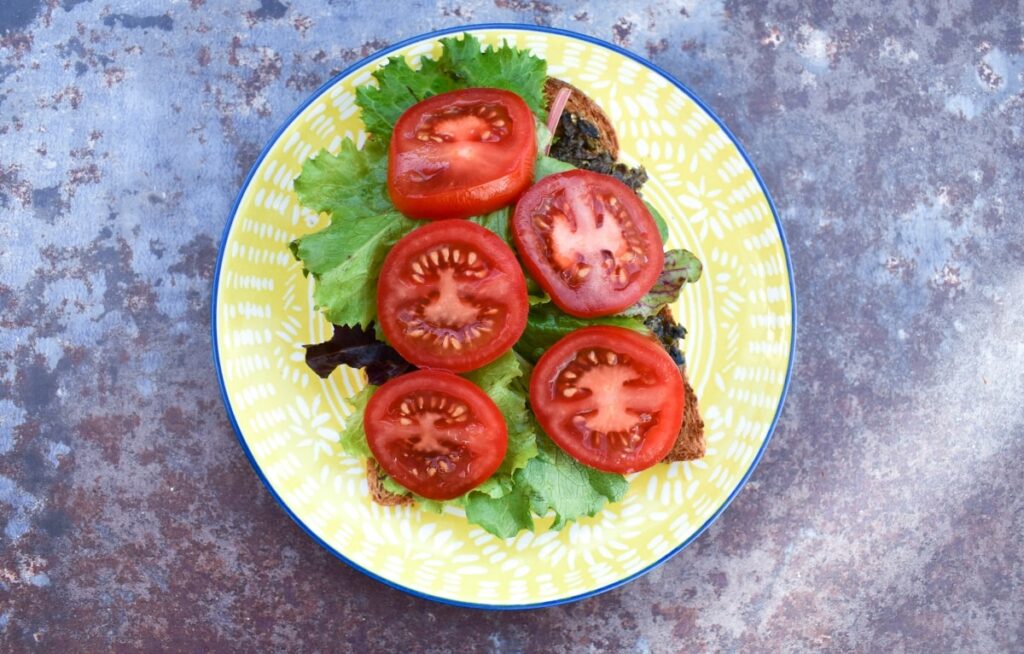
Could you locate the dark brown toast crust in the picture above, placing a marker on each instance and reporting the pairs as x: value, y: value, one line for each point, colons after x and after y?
x: 580, y: 104
x: 374, y: 478
x: 690, y: 444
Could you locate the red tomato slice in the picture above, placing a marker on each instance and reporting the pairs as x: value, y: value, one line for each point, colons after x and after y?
x: 589, y: 241
x: 452, y: 296
x: 611, y: 398
x: 437, y: 434
x: 461, y: 154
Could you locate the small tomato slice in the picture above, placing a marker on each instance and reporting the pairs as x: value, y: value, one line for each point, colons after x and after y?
x: 611, y: 398
x: 452, y: 296
x: 462, y: 153
x: 589, y: 241
x: 435, y: 433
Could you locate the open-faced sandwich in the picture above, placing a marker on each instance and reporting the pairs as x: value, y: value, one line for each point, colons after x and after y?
x: 493, y: 268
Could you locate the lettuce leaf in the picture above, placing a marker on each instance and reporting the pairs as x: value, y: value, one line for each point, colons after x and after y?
x: 659, y: 220
x: 681, y: 267
x: 560, y: 484
x: 505, y: 67
x: 353, y: 438
x: 392, y: 486
x: 552, y: 482
x: 546, y: 324
x: 350, y: 184
x: 503, y: 516
x: 399, y: 86
x: 507, y: 383
x: 549, y: 166
x: 357, y: 348
x: 497, y: 222
x: 345, y: 258
x: 462, y: 64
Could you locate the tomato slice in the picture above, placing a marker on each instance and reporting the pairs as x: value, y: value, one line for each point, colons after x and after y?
x: 611, y: 398
x: 589, y: 241
x: 435, y: 433
x: 452, y: 296
x: 462, y: 153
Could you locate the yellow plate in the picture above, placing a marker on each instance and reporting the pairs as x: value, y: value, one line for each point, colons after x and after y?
x: 740, y: 319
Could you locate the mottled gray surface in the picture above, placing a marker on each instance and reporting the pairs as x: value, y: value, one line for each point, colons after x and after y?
x: 887, y: 514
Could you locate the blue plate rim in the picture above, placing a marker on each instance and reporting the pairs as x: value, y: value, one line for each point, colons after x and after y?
x: 323, y: 89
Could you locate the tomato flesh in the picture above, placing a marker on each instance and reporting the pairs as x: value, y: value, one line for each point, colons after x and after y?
x: 611, y: 398
x: 462, y: 153
x: 451, y: 296
x: 589, y: 241
x: 435, y: 433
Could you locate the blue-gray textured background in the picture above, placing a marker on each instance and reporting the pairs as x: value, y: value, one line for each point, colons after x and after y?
x: 887, y: 514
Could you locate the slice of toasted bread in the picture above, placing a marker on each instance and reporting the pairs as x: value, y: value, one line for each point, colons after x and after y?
x: 580, y: 104
x: 375, y: 480
x: 690, y: 443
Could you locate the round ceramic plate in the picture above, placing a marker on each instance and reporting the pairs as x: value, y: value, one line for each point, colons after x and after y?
x: 740, y: 319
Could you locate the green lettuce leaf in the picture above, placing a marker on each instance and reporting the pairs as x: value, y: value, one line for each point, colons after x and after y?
x: 506, y: 382
x: 501, y: 68
x: 536, y: 295
x: 399, y: 86
x: 350, y: 184
x: 543, y: 136
x: 551, y: 482
x: 353, y: 438
x: 560, y: 484
x: 546, y: 324
x: 549, y: 166
x: 503, y: 516
x: 497, y: 222
x: 392, y: 486
x: 681, y: 267
x: 433, y: 505
x: 659, y: 220
x: 345, y: 258
x: 462, y: 64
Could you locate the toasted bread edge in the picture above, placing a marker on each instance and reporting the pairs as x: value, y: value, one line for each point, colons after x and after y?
x: 375, y: 481
x: 583, y: 106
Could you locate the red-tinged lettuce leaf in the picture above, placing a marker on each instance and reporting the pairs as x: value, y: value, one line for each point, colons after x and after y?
x: 681, y: 267
x: 356, y: 347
